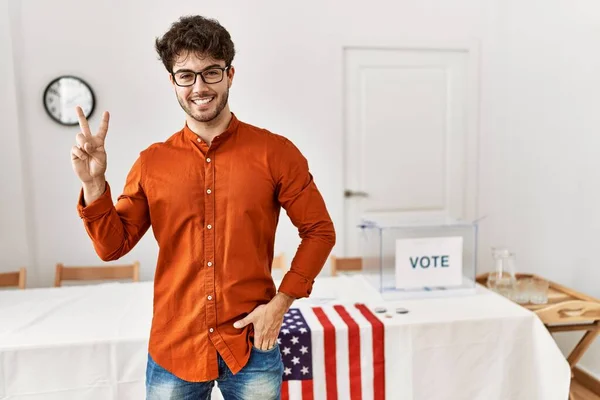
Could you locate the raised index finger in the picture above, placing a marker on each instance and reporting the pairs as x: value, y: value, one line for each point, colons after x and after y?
x: 83, y: 123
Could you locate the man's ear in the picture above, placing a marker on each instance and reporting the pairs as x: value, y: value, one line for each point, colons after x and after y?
x: 230, y: 74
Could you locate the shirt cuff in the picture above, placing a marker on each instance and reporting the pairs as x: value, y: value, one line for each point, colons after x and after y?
x: 99, y: 207
x: 295, y: 285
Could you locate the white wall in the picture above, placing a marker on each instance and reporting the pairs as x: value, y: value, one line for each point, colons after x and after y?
x: 540, y: 178
x: 13, y: 221
x: 540, y: 75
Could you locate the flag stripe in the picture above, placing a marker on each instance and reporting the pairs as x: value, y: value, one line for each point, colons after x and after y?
x: 378, y: 352
x: 366, y: 352
x: 295, y: 389
x: 341, y: 353
x: 330, y: 354
x: 307, y: 389
x: 353, y: 353
x: 318, y: 353
x: 285, y: 392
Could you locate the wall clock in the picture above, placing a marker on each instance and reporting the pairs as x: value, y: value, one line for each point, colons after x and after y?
x: 63, y: 94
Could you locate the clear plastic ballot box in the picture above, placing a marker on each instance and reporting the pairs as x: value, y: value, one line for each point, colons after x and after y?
x: 420, y: 259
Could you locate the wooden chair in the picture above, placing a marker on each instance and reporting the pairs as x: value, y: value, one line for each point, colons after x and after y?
x: 345, y: 264
x: 14, y: 279
x: 114, y: 272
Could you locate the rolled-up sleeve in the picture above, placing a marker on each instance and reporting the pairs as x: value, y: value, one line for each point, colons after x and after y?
x: 298, y: 195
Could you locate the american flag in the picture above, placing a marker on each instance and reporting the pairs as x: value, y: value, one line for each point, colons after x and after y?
x: 332, y: 352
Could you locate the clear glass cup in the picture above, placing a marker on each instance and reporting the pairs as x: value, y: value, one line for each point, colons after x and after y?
x: 538, y: 291
x: 521, y: 293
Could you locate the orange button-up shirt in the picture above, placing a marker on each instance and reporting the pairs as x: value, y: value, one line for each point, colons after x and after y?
x: 213, y: 210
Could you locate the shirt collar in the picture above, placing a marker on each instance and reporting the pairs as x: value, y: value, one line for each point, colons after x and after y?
x: 231, y: 128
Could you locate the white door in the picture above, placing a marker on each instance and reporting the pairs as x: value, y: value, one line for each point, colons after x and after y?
x: 410, y: 136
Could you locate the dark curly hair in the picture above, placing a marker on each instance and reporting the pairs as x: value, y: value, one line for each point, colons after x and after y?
x: 195, y: 34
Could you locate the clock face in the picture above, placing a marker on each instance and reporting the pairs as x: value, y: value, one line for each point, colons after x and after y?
x: 62, y: 96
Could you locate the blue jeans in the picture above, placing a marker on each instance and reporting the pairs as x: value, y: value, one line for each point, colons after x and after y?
x: 260, y: 379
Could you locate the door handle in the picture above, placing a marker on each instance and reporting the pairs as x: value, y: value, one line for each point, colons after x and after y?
x: 351, y: 193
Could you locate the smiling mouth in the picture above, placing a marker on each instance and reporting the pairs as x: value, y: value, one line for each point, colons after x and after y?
x: 203, y: 101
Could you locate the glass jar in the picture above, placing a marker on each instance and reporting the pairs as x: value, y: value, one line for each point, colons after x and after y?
x: 503, y: 279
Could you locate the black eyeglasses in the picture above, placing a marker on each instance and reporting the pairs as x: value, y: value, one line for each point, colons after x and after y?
x: 212, y: 75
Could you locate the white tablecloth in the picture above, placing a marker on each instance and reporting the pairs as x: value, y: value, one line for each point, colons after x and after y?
x: 90, y: 343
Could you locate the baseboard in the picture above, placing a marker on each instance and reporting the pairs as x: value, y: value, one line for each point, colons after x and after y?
x: 587, y: 380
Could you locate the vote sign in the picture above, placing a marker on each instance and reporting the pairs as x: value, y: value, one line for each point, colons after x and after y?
x: 429, y: 262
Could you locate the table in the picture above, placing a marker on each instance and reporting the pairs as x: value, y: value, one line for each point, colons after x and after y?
x: 567, y: 310
x: 90, y: 343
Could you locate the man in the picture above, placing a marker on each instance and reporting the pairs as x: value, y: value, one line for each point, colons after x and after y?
x: 212, y: 193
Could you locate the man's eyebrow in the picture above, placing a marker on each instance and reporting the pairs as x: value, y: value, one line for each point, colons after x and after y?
x: 212, y: 66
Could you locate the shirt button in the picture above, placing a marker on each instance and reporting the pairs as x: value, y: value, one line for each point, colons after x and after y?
x: 211, y: 330
x: 209, y: 297
x: 209, y: 226
x: 208, y: 191
x: 199, y: 140
x: 208, y: 159
x: 209, y: 264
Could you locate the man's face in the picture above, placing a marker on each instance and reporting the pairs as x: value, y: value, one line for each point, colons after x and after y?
x: 201, y: 101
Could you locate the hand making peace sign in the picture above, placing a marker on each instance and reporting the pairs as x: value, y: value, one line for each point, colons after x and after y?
x: 89, y: 156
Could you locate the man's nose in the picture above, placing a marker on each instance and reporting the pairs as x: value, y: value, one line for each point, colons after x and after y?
x: 199, y: 86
